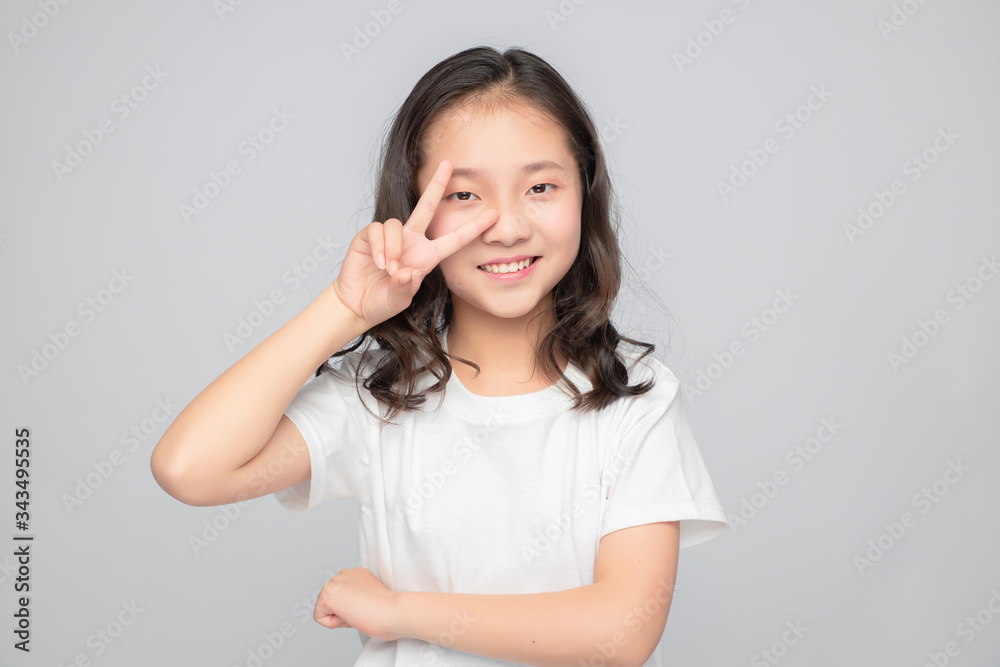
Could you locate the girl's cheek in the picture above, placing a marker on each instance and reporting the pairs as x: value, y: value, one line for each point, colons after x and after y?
x: 565, y: 213
x: 546, y: 210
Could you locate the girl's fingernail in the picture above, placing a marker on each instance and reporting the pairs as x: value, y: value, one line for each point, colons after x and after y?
x: 393, y: 267
x: 381, y: 261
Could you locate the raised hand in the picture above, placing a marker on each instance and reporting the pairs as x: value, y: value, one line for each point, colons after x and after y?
x: 374, y: 290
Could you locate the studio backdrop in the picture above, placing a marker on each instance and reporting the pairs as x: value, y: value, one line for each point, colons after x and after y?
x: 809, y: 223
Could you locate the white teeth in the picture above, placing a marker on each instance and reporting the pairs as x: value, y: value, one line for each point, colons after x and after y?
x: 506, y: 268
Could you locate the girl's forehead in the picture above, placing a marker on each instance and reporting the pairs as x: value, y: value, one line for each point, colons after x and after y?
x: 469, y: 115
x: 472, y: 118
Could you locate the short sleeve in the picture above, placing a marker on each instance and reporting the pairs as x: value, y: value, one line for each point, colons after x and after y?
x: 325, y: 411
x: 657, y: 471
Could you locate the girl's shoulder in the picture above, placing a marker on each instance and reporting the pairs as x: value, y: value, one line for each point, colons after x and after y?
x: 348, y: 364
x: 355, y: 367
x: 665, y: 389
x: 646, y: 368
x: 347, y: 373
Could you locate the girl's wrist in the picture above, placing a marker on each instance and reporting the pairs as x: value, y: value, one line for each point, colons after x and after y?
x: 329, y: 301
x: 399, y: 625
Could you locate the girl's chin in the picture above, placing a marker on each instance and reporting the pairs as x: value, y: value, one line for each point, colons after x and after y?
x: 499, y: 306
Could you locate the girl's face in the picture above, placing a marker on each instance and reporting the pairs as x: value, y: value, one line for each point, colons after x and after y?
x: 517, y: 161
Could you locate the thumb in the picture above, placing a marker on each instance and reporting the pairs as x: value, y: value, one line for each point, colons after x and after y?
x: 403, y: 286
x: 333, y: 622
x: 410, y: 278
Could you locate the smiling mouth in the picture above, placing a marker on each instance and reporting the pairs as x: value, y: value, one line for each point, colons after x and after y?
x: 513, y: 267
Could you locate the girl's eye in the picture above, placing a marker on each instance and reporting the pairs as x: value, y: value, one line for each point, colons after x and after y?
x: 461, y: 196
x: 542, y: 185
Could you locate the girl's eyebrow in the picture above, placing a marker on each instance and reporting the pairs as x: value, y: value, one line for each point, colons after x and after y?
x: 471, y: 172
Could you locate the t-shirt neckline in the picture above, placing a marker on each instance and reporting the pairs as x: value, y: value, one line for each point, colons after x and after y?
x: 550, y: 399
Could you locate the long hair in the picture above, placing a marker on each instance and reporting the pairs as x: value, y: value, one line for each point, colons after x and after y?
x: 581, y: 302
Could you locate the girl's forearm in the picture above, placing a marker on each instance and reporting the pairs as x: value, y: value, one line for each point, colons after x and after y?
x: 590, y: 625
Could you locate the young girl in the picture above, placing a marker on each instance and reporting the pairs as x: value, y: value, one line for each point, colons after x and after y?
x: 531, y: 511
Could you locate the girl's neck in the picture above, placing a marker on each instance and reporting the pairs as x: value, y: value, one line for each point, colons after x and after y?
x: 504, y: 349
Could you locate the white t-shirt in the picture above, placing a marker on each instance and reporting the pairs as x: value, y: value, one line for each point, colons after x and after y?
x: 497, y: 495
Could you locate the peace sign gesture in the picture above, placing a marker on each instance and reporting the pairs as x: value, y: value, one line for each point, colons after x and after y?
x: 367, y: 287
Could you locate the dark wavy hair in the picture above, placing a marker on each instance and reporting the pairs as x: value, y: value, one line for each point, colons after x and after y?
x: 582, y: 301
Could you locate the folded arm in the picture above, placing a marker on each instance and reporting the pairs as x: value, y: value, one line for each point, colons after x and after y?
x: 617, y: 621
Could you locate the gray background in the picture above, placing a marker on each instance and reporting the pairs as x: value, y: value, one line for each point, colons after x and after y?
x: 673, y: 134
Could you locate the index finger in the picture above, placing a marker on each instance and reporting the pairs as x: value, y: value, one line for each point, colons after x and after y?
x: 458, y: 238
x: 427, y: 205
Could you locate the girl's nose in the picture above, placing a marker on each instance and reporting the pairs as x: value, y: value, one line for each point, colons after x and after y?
x: 514, y: 225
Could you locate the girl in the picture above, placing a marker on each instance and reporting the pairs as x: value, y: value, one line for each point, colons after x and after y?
x: 535, y: 513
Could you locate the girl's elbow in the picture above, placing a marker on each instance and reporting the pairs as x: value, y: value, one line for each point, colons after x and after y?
x: 171, y: 475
